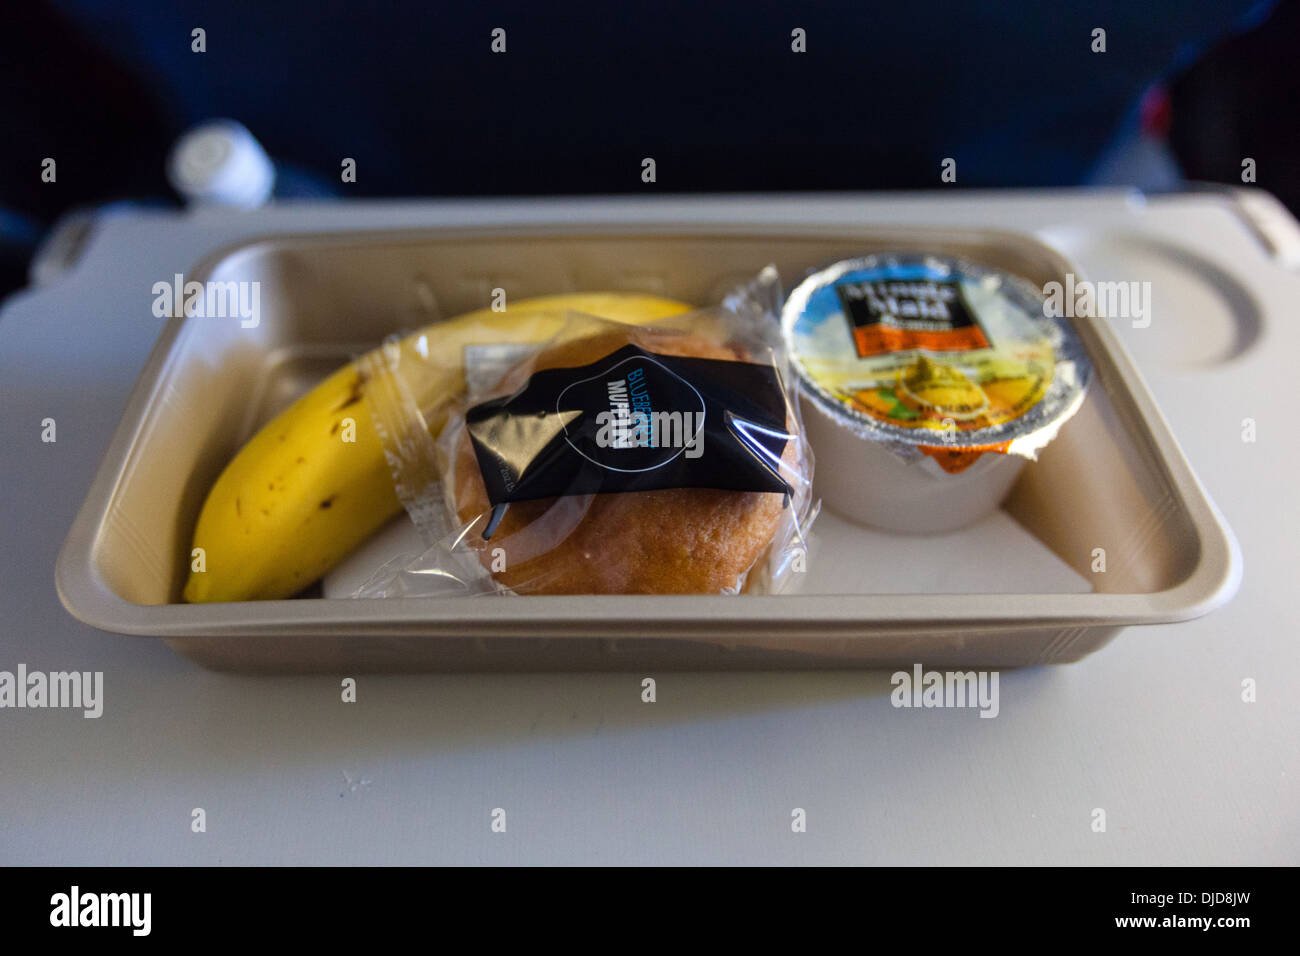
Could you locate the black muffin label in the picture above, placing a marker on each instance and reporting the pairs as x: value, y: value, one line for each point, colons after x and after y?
x: 634, y: 421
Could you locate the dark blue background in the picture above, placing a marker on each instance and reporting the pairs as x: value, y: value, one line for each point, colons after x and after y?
x: 585, y: 91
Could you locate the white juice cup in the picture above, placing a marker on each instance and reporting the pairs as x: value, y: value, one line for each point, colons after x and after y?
x: 862, y: 480
x: 926, y: 384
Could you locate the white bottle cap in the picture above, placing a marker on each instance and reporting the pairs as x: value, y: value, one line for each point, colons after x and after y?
x: 221, y: 162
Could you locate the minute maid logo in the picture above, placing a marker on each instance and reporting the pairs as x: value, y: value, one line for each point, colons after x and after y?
x: 927, y: 300
x: 898, y: 315
x: 631, y: 422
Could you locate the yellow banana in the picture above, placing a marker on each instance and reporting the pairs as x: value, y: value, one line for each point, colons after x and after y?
x: 312, y: 485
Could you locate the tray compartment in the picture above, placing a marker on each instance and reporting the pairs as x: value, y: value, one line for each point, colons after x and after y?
x: 1114, y: 479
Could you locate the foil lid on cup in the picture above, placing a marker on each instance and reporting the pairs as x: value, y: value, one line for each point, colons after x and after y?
x: 935, y: 356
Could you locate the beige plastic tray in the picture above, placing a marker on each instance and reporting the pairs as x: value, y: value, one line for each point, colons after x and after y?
x: 1016, y: 589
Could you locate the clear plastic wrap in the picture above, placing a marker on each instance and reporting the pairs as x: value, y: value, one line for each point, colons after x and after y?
x: 608, y: 459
